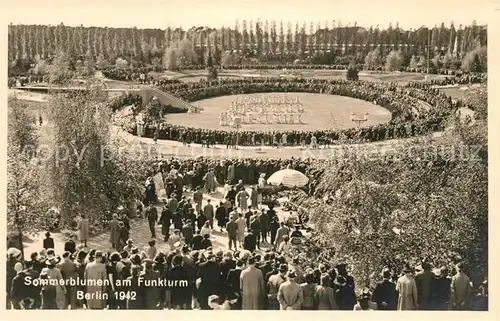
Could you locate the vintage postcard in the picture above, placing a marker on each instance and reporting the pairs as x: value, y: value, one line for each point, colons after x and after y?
x: 248, y: 155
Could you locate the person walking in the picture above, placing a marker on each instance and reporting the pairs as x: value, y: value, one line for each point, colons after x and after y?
x: 113, y: 231
x: 152, y: 217
x: 232, y: 233
x: 208, y: 212
x: 83, y: 229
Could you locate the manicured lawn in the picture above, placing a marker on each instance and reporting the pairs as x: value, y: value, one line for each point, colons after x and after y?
x: 322, y: 112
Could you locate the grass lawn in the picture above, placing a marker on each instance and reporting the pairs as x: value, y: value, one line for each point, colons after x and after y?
x: 322, y: 112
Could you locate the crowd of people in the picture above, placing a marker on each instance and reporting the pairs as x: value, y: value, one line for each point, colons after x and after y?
x: 261, y: 269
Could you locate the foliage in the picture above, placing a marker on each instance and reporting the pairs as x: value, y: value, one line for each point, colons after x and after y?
x: 212, y: 74
x: 86, y: 177
x: 170, y: 59
x: 88, y: 66
x: 373, y: 59
x: 412, y: 204
x: 394, y: 60
x: 352, y: 73
x: 414, y: 62
x: 41, y: 67
x: 230, y: 58
x: 121, y: 63
x: 476, y: 60
x: 25, y: 212
x: 125, y: 119
x: 60, y: 69
x: 101, y: 62
x: 477, y: 100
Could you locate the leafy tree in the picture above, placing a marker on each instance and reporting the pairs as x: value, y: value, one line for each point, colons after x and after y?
x: 101, y: 63
x: 186, y: 53
x: 60, y: 69
x: 121, y: 63
x: 394, y: 60
x: 170, y: 59
x: 372, y: 59
x: 41, y: 67
x: 414, y: 62
x: 475, y: 60
x: 24, y: 205
x: 86, y: 174
x: 382, y: 212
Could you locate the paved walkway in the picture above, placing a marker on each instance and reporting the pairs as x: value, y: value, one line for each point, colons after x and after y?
x: 140, y: 234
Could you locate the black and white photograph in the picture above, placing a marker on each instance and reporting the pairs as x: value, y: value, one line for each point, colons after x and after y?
x: 247, y: 155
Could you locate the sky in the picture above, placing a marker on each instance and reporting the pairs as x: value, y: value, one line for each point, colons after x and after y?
x: 218, y: 13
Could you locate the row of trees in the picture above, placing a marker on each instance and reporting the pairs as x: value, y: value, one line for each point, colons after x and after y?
x: 266, y: 41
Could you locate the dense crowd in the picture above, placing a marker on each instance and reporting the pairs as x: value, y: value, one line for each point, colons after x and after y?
x: 262, y: 269
x: 415, y: 111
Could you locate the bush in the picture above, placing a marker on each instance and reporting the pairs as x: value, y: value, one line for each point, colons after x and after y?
x: 352, y: 73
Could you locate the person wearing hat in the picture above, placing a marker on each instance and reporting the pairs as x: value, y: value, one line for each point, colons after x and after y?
x: 180, y: 295
x: 233, y: 282
x: 273, y: 285
x: 70, y: 245
x: 198, y: 199
x: 344, y: 294
x: 325, y: 294
x: 209, y: 275
x: 113, y: 231
x: 440, y: 290
x: 81, y: 265
x: 48, y: 293
x: 69, y: 273
x: 134, y: 285
x: 96, y: 278
x: 123, y: 236
x: 407, y: 290
x: 83, y: 229
x: 364, y: 303
x: 342, y: 270
x: 54, y: 273
x: 290, y: 294
x: 253, y: 288
x: 152, y: 217
x: 461, y: 289
x: 385, y: 295
x: 165, y: 221
x: 48, y: 242
x: 174, y: 239
x: 130, y: 245
x: 423, y: 280
x: 150, y: 287
x: 309, y: 290
x: 250, y: 241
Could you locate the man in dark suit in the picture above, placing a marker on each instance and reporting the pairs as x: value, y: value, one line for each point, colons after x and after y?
x: 233, y: 282
x: 48, y: 242
x: 152, y: 216
x: 209, y: 272
x: 151, y: 292
x: 70, y: 245
x: 250, y: 241
x: 385, y: 293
